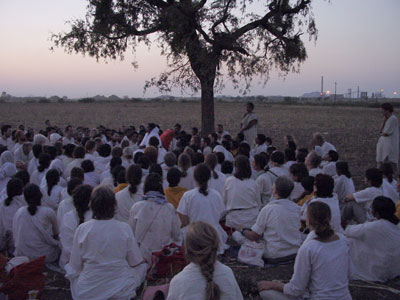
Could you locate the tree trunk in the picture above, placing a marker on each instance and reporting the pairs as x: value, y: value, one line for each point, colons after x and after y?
x: 207, y: 106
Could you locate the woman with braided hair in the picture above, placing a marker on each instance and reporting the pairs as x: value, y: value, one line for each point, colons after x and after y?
x: 205, y: 277
x: 72, y: 219
x: 218, y: 179
x: 203, y: 204
x: 321, y: 266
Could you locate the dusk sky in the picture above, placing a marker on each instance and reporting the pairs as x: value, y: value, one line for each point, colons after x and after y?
x: 358, y: 45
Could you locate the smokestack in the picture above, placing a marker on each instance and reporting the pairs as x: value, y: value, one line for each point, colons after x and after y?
x: 322, y: 85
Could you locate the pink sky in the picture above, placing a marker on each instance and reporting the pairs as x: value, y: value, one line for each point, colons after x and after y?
x: 358, y: 44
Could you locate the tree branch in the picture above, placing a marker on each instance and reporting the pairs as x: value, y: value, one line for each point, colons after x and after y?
x: 223, y: 18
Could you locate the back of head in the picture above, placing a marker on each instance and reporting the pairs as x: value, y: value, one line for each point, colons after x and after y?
x: 197, y: 158
x: 211, y: 161
x: 374, y: 175
x: 313, y: 159
x: 324, y: 185
x: 174, y: 177
x: 220, y: 157
x: 278, y: 157
x: 298, y: 170
x: 103, y: 203
x: 69, y: 150
x: 202, y: 175
x: 52, y: 179
x: 333, y: 155
x: 23, y: 176
x: 44, y: 162
x: 33, y: 197
x: 152, y: 153
x: 201, y: 248
x: 308, y: 183
x: 156, y: 168
x: 384, y: 208
x: 387, y: 106
x: 116, y: 152
x: 87, y: 166
x: 153, y: 183
x: 290, y: 154
x: 37, y: 150
x: 15, y: 187
x: 387, y: 171
x: 115, y: 172
x: 260, y: 161
x: 90, y: 145
x: 72, y: 184
x: 115, y: 161
x: 342, y: 168
x: 133, y: 177
x: 81, y: 199
x: 227, y: 167
x: 184, y: 162
x: 104, y: 150
x: 242, y: 167
x: 153, y: 141
x: 170, y: 159
x: 144, y: 162
x: 319, y: 217
x: 77, y: 172
x: 284, y: 186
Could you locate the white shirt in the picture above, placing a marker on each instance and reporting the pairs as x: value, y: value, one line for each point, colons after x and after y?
x: 7, y: 143
x: 259, y: 148
x: 92, y: 179
x: 55, y: 197
x: 344, y: 186
x: 33, y: 235
x: 314, y: 172
x: 388, y: 146
x: 330, y: 168
x: 322, y: 269
x: 37, y: 176
x: 374, y: 250
x: 7, y: 214
x: 65, y: 206
x: 209, y: 209
x: 19, y: 155
x: 298, y: 190
x: 67, y: 140
x: 217, y: 184
x: 324, y: 149
x: 103, y: 256
x: 188, y: 182
x: 125, y: 201
x: 266, y: 181
x: 191, y: 284
x: 283, y: 238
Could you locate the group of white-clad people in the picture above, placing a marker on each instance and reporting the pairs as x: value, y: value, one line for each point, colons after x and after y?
x: 99, y: 202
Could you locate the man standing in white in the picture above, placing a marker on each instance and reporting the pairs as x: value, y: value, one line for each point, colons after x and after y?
x: 387, y: 149
x: 248, y: 125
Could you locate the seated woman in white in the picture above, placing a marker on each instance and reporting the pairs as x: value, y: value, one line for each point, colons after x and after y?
x: 67, y: 203
x: 282, y: 239
x: 344, y: 184
x: 12, y: 201
x: 72, y: 219
x: 105, y: 261
x: 41, y: 170
x: 375, y: 246
x: 387, y: 171
x: 91, y: 176
x: 217, y: 180
x: 184, y: 164
x: 323, y: 190
x: 259, y: 166
x: 52, y: 190
x: 129, y: 195
x: 35, y: 228
x: 322, y: 263
x: 298, y: 171
x: 205, y: 277
x: 7, y: 169
x: 203, y: 204
x: 241, y: 196
x: 153, y: 220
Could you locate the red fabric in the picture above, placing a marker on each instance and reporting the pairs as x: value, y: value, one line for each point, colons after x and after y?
x: 24, y: 278
x: 166, y: 138
x: 167, y: 262
x: 227, y: 229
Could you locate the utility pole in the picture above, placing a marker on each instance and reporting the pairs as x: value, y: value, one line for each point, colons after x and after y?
x: 322, y: 85
x: 335, y: 89
x: 358, y: 92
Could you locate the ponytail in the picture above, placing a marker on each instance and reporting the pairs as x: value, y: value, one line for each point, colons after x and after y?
x: 215, y: 174
x: 202, y: 175
x: 203, y: 188
x: 14, y: 188
x: 324, y: 231
x: 32, y: 209
x: 385, y: 208
x: 132, y: 189
x: 33, y: 197
x: 207, y: 270
x: 319, y: 215
x: 81, y: 199
x: 52, y: 178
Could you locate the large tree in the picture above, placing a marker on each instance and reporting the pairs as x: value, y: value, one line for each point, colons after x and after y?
x: 204, y: 41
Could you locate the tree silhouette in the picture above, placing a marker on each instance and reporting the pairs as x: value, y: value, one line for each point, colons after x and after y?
x: 203, y: 41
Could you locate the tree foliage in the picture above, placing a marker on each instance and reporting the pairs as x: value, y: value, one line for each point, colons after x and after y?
x: 204, y: 41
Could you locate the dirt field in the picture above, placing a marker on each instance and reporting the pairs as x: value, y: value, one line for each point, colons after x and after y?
x: 352, y: 130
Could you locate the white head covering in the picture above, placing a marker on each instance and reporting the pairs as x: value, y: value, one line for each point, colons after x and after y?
x: 6, y: 157
x: 58, y: 165
x: 54, y: 137
x: 127, y: 152
x: 39, y: 139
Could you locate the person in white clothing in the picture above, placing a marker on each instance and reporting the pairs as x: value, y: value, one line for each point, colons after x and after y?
x: 387, y: 149
x: 330, y: 167
x: 313, y: 162
x: 248, y: 125
x: 41, y: 170
x: 153, y: 220
x: 72, y: 219
x: 358, y: 204
x: 105, y: 261
x: 203, y: 204
x: 298, y: 171
x: 67, y: 204
x: 35, y: 228
x: 79, y: 157
x: 7, y: 168
x: 344, y: 184
x: 51, y: 190
x: 185, y: 163
x: 375, y: 246
x: 260, y: 165
x: 320, y: 145
x: 260, y: 146
x: 290, y: 157
x: 388, y: 174
x: 205, y: 277
x: 321, y: 269
x: 69, y: 135
x: 24, y: 153
x: 129, y: 195
x: 12, y: 201
x: 217, y: 180
x: 5, y: 138
x: 323, y: 190
x: 34, y: 162
x: 91, y: 176
x: 282, y: 239
x: 241, y: 196
x: 90, y: 149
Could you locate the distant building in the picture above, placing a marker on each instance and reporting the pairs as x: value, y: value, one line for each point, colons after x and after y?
x: 364, y: 95
x: 313, y: 95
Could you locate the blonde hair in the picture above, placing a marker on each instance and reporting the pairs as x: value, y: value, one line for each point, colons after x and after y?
x: 201, y: 247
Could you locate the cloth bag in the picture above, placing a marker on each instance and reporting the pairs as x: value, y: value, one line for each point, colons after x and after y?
x: 251, y: 253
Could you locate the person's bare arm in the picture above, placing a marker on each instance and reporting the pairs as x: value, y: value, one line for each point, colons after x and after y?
x: 270, y: 285
x: 251, y: 235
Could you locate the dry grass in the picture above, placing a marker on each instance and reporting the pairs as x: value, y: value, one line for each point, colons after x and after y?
x: 353, y: 130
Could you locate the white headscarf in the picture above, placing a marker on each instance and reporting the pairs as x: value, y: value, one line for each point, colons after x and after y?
x: 153, y: 132
x: 58, y: 165
x: 6, y: 157
x: 54, y: 137
x: 39, y: 139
